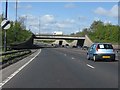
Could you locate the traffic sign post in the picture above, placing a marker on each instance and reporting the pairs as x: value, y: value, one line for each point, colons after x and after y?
x: 5, y: 24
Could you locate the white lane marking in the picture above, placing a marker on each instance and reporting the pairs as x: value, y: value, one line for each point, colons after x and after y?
x: 90, y: 66
x: 17, y: 71
x: 73, y: 58
x: 65, y: 54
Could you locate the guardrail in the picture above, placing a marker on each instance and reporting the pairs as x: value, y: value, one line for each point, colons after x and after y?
x: 10, y: 57
x: 12, y: 52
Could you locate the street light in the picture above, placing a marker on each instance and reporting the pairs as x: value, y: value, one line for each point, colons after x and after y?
x: 26, y: 21
x: 5, y: 42
x: 39, y: 25
x: 79, y: 24
x: 16, y: 10
x: 6, y: 9
x: 15, y: 20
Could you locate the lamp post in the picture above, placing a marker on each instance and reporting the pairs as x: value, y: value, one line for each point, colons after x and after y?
x: 6, y: 9
x: 26, y: 18
x: 15, y: 20
x: 39, y: 25
x: 16, y: 11
x: 79, y: 24
x: 5, y: 42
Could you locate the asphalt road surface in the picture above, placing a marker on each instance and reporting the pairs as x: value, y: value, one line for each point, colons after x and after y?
x: 65, y: 68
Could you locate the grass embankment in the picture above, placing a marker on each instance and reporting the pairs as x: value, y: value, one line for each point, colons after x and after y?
x: 69, y: 41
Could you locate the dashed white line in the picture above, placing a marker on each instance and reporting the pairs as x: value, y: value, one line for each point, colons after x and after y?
x: 65, y: 54
x: 90, y: 66
x: 73, y: 58
x: 12, y: 75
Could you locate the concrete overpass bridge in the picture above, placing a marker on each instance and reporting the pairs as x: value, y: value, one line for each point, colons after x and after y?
x: 64, y: 37
x: 61, y: 39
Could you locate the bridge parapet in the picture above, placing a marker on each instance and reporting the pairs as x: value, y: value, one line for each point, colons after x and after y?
x: 59, y: 37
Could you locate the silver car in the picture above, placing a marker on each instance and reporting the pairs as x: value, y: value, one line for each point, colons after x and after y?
x: 101, y: 51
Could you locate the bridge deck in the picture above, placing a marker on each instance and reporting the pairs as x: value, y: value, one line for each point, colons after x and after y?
x: 59, y: 37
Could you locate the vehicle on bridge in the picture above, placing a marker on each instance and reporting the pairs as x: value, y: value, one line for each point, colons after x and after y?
x: 99, y: 51
x: 57, y: 33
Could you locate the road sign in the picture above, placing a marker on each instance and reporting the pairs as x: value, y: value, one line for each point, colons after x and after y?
x: 5, y: 24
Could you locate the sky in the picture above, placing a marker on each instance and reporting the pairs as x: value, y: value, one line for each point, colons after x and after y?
x: 68, y: 17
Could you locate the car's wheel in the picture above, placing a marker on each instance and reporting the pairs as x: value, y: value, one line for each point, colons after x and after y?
x: 94, y: 58
x: 88, y: 57
x: 113, y: 59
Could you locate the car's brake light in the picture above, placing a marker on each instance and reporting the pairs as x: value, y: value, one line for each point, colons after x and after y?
x: 97, y: 48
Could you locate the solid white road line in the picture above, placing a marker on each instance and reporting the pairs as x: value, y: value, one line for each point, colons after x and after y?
x: 12, y: 75
x: 90, y: 66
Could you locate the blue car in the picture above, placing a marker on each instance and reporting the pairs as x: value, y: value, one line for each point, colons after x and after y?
x: 101, y: 51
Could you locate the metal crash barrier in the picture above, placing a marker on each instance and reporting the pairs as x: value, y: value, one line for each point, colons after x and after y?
x: 8, y: 58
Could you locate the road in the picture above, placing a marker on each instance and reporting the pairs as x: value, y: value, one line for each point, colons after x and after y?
x: 65, y: 68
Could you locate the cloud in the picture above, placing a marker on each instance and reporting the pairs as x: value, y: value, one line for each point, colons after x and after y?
x: 82, y: 18
x: 35, y: 27
x: 65, y: 23
x: 60, y: 25
x: 49, y: 23
x: 30, y: 18
x: 70, y: 21
x: 70, y: 5
x: 107, y: 22
x: 100, y: 11
x: 113, y: 12
x: 28, y: 7
x: 47, y: 19
x: 96, y: 19
x: 23, y: 7
x: 0, y: 8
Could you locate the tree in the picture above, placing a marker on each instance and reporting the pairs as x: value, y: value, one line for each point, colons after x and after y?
x: 100, y: 32
x: 95, y: 24
x: 21, y: 20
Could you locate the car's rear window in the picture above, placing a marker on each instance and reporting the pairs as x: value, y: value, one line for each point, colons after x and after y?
x: 105, y: 46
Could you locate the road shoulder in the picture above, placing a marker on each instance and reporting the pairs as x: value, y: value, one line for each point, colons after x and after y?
x: 6, y: 72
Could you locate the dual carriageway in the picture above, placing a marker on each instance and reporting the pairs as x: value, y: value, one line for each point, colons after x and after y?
x: 60, y: 68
